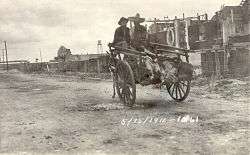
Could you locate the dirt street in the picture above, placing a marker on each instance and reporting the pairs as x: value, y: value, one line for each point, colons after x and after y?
x: 41, y: 114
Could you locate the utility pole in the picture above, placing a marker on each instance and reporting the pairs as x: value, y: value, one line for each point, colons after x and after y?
x: 3, y: 50
x: 41, y: 56
x: 6, y: 55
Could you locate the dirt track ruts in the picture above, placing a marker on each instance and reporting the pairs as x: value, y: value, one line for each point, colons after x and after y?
x: 44, y: 114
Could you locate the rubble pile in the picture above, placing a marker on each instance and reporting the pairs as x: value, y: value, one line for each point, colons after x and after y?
x: 233, y: 88
x: 199, y: 82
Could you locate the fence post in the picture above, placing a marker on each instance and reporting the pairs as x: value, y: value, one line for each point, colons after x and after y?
x: 177, y: 38
x: 98, y: 66
x: 86, y: 66
x: 217, y: 64
x: 6, y: 55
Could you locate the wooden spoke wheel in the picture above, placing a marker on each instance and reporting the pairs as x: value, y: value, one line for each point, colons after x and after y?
x: 179, y: 90
x: 125, y: 83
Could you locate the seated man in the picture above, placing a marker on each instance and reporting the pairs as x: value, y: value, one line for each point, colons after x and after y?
x: 154, y: 72
x: 138, y: 33
x: 122, y: 36
x: 139, y: 42
x: 122, y: 39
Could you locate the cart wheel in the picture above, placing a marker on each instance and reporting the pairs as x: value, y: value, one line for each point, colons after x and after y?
x: 179, y: 90
x: 125, y: 83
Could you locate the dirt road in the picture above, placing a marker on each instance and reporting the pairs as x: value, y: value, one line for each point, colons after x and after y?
x: 62, y: 115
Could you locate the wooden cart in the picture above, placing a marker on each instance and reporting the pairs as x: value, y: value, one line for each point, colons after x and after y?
x: 125, y: 80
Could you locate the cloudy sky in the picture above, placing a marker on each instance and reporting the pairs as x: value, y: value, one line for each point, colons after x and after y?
x: 29, y: 26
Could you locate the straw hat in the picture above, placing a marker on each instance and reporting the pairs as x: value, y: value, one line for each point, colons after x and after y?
x: 137, y: 18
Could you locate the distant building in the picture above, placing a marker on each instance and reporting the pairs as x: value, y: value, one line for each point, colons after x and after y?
x: 84, y: 57
x: 92, y: 62
x: 88, y: 63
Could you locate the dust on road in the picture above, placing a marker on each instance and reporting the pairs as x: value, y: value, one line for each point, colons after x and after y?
x: 49, y: 115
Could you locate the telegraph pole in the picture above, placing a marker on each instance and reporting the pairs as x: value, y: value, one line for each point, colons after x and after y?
x: 3, y: 50
x: 41, y: 56
x: 6, y: 55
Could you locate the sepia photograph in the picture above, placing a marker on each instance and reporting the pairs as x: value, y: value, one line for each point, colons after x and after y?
x: 124, y: 77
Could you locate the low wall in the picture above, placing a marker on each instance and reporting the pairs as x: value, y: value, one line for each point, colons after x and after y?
x: 88, y: 66
x: 232, y: 62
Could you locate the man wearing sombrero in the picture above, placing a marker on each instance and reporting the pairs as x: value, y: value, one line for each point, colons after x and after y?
x: 138, y: 32
x: 139, y: 42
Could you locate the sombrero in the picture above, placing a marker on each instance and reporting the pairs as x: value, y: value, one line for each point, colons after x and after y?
x: 137, y: 18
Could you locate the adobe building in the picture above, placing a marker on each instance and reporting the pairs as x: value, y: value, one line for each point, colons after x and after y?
x: 221, y: 43
x: 88, y: 63
x: 224, y: 41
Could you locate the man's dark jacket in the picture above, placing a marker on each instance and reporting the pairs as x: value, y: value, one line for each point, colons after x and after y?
x: 122, y: 34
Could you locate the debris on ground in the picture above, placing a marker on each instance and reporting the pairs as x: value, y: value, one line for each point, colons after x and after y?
x: 230, y: 88
x: 47, y: 137
x: 105, y: 107
x: 200, y: 82
x: 112, y: 140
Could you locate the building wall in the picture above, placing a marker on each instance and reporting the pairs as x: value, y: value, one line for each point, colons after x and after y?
x: 239, y: 64
x: 246, y: 27
x: 87, y: 66
x: 231, y: 19
x: 214, y: 63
